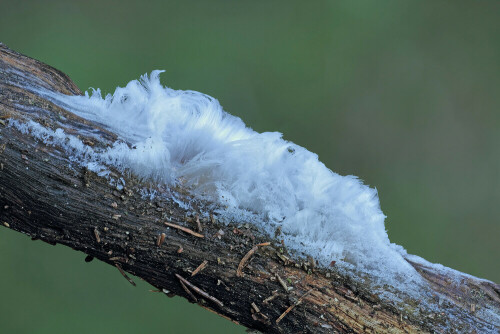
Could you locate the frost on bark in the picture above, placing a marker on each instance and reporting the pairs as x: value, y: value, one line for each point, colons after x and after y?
x: 231, y: 269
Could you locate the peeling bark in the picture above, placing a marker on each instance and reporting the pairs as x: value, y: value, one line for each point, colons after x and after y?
x: 49, y: 197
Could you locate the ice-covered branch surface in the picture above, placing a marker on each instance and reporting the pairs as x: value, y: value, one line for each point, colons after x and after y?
x: 175, y: 136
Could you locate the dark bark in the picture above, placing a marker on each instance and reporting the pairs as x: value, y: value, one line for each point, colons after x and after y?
x: 46, y: 196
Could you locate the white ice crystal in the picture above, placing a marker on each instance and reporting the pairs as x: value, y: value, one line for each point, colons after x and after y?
x: 185, y: 137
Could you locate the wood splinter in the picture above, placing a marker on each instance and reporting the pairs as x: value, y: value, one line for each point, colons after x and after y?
x: 247, y: 256
x: 97, y: 235
x: 199, y: 268
x: 271, y: 297
x: 119, y: 258
x: 160, y: 239
x: 198, y: 224
x: 257, y: 314
x: 124, y: 274
x: 282, y: 283
x: 185, y: 229
x: 199, y: 291
x: 255, y: 307
x: 291, y: 307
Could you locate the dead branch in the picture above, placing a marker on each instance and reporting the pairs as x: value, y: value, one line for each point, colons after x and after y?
x: 46, y: 195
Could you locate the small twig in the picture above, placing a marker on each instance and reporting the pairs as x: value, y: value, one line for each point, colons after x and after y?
x: 124, y: 274
x: 291, y: 307
x: 199, y: 291
x: 247, y: 256
x: 198, y: 223
x: 160, y: 239
x: 97, y: 235
x: 200, y: 268
x: 188, y: 291
x: 185, y: 229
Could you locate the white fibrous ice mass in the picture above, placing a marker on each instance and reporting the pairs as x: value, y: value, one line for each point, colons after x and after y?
x: 184, y: 137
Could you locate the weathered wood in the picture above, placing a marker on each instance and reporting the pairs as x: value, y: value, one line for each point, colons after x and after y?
x: 48, y: 197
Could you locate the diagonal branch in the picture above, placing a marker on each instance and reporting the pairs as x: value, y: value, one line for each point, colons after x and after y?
x: 46, y: 195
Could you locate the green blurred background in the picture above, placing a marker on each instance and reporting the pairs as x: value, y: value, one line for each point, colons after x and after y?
x: 404, y: 94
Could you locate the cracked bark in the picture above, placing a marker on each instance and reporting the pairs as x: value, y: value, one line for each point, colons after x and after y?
x: 47, y: 196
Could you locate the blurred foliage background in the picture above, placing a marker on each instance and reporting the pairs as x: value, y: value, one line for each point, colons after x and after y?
x: 403, y: 94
